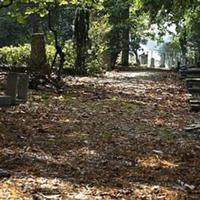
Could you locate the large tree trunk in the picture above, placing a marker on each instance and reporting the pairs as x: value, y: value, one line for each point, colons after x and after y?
x: 81, y: 39
x: 125, y: 38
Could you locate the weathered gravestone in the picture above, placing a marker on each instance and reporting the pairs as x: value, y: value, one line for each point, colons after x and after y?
x: 144, y: 59
x: 162, y: 60
x: 22, y: 87
x: 16, y: 89
x: 11, y: 86
x: 38, y: 54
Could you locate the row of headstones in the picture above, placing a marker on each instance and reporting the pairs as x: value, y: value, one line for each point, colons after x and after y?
x: 164, y: 60
x: 192, y: 78
x: 16, y: 91
x: 144, y: 61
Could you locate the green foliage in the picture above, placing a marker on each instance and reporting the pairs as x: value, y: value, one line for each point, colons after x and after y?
x: 98, y: 31
x: 69, y: 51
x: 15, y: 55
x: 107, y: 26
x: 11, y: 32
x: 20, y: 55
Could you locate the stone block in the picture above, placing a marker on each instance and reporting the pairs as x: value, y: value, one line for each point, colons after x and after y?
x: 11, y: 86
x: 22, y: 87
x: 5, y: 101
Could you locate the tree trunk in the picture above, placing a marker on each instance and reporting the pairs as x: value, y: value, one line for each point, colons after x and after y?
x: 125, y: 38
x: 136, y: 57
x: 81, y: 33
x: 183, y: 45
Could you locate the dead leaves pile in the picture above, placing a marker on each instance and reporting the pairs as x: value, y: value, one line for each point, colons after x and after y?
x: 114, y: 137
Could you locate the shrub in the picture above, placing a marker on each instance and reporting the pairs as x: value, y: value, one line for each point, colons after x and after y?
x: 15, y: 55
x: 20, y: 55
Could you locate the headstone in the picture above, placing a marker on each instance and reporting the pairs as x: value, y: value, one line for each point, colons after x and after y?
x: 38, y: 53
x: 22, y: 87
x: 16, y: 89
x: 144, y: 59
x: 11, y: 86
x: 162, y: 60
x: 152, y: 63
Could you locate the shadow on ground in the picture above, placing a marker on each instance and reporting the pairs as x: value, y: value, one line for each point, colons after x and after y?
x: 103, y: 140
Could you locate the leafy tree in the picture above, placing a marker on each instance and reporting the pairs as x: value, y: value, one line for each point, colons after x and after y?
x: 11, y: 32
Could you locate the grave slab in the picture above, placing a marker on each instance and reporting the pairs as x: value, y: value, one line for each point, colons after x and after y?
x: 22, y: 87
x: 5, y: 101
x: 11, y: 86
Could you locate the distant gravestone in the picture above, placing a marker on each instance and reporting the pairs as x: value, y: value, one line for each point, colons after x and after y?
x: 162, y: 60
x: 152, y: 63
x: 38, y: 53
x: 144, y: 59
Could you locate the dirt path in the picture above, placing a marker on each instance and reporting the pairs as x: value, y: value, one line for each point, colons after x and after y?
x: 114, y: 137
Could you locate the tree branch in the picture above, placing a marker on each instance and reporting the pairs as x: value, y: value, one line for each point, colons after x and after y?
x: 58, y: 47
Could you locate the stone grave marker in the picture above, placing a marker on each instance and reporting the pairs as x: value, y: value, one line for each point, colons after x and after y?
x: 16, y: 89
x: 22, y: 87
x: 11, y: 86
x: 152, y: 63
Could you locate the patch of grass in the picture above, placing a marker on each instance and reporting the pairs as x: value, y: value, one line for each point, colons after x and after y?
x: 45, y: 96
x: 106, y: 136
x: 168, y: 134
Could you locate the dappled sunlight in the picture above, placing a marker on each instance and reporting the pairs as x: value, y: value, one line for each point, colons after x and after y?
x: 148, y: 192
x: 85, y: 151
x: 88, y: 140
x: 65, y: 120
x: 154, y: 161
x: 12, y: 191
x: 55, y: 188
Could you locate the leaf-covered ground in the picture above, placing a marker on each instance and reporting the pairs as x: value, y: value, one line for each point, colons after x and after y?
x: 120, y: 136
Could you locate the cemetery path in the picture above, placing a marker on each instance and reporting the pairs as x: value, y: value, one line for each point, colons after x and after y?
x: 119, y: 136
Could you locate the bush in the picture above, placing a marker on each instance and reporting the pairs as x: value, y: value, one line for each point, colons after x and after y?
x: 20, y: 55
x: 15, y: 55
